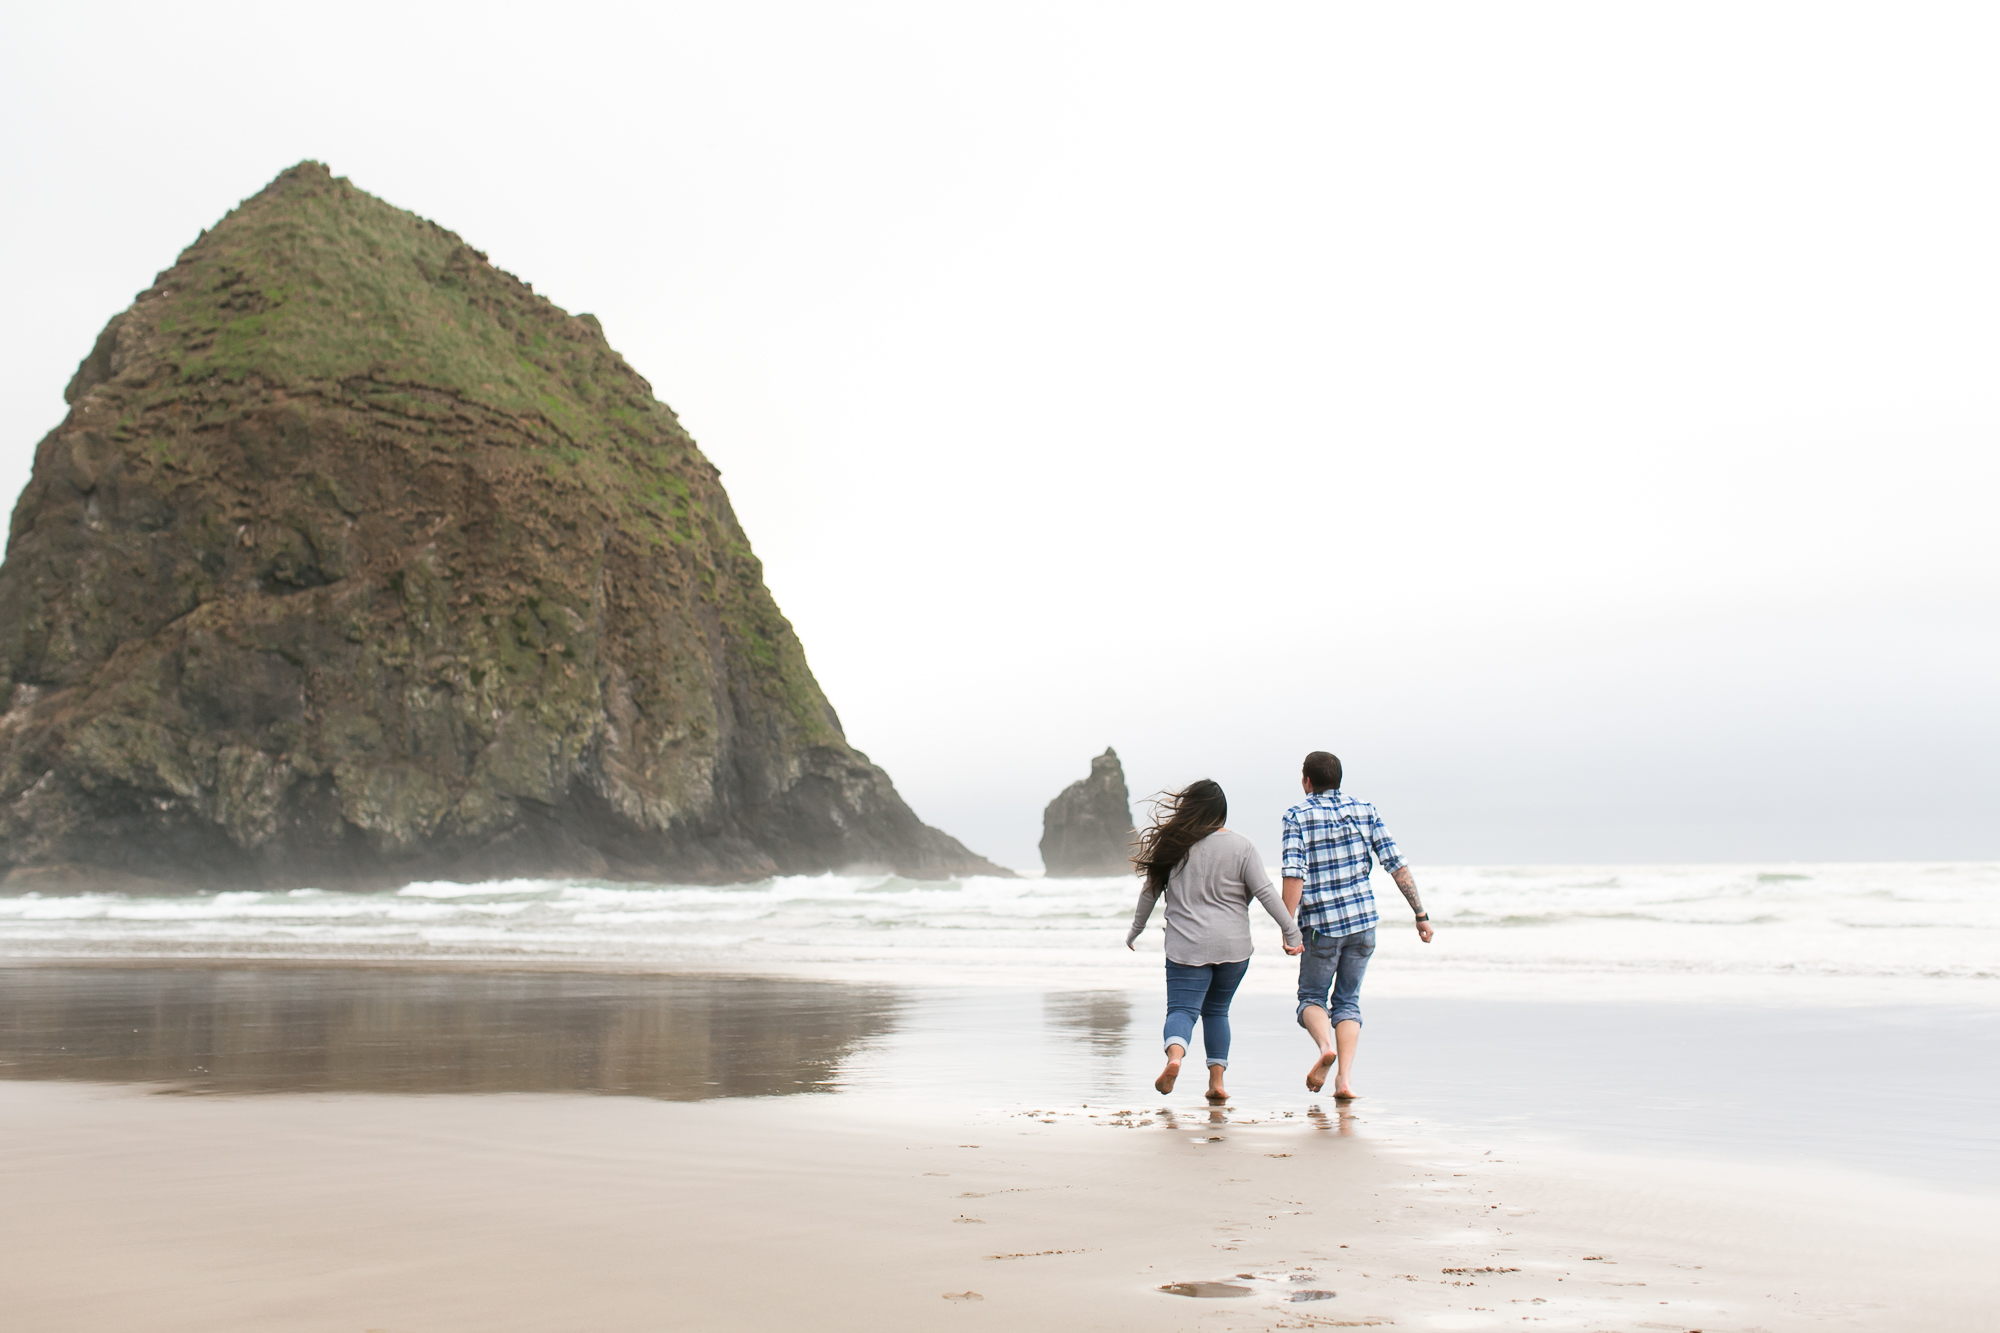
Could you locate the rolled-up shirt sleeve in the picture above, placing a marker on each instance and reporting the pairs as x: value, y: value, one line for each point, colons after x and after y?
x: 1147, y: 897
x: 1387, y: 855
x: 1293, y: 863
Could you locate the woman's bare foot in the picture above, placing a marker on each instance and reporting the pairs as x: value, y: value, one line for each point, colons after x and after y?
x: 1316, y: 1076
x: 1342, y: 1092
x: 1165, y: 1082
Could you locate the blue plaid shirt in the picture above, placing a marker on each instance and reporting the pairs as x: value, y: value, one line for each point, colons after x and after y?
x: 1328, y: 841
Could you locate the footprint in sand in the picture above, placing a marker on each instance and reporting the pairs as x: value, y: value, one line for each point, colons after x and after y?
x: 1205, y: 1290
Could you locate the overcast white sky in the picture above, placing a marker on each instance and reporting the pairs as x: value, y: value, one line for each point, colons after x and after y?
x: 1580, y: 417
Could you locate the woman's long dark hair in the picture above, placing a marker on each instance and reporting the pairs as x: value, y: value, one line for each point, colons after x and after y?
x: 1180, y: 820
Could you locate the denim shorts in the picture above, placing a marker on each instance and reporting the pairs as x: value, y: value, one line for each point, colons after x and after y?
x: 1335, y: 964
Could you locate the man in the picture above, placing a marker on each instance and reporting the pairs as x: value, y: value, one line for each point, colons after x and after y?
x: 1328, y: 844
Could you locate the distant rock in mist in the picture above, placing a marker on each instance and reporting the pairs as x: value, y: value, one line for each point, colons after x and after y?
x: 356, y: 562
x: 1088, y: 829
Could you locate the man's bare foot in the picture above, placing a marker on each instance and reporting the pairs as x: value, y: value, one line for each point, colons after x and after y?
x: 1165, y: 1082
x: 1216, y: 1094
x: 1316, y: 1076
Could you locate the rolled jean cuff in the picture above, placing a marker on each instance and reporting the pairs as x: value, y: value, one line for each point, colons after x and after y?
x: 1183, y: 1043
x: 1338, y: 1014
x: 1330, y: 974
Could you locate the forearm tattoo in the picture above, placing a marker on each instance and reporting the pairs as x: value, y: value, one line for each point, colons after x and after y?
x: 1407, y: 882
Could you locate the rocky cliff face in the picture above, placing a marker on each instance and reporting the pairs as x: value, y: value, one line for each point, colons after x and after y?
x: 357, y: 562
x: 1088, y: 829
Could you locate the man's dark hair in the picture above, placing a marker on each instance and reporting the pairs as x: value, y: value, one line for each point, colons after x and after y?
x: 1323, y: 771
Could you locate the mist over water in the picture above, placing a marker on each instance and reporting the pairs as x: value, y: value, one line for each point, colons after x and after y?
x: 1812, y: 932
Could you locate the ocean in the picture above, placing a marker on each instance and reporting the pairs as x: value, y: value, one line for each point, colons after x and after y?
x: 1821, y: 933
x: 1825, y: 1015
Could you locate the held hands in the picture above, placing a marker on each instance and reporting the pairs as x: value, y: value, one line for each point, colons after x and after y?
x: 1295, y: 949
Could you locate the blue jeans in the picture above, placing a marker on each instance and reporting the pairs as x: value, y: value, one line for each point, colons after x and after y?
x: 1334, y: 963
x: 1202, y: 992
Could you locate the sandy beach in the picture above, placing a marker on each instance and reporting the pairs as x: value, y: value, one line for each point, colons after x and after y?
x: 364, y: 1161
x: 349, y: 1213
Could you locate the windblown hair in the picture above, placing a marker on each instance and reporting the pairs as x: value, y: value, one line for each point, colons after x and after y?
x: 1180, y: 820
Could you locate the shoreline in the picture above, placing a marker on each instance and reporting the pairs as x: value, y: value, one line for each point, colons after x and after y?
x: 208, y: 1146
x: 1566, y: 1072
x: 1394, y: 976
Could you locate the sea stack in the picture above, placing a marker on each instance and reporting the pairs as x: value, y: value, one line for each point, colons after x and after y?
x: 1088, y: 829
x: 356, y: 562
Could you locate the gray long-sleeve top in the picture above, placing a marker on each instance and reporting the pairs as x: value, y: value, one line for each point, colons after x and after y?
x: 1208, y: 902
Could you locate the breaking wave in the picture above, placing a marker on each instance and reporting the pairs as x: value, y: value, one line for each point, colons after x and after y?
x: 1910, y: 921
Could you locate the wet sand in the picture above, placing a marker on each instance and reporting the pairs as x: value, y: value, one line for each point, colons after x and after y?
x: 136, y: 1210
x: 380, y: 1149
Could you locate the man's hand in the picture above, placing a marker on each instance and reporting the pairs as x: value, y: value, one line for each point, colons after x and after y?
x: 1407, y: 882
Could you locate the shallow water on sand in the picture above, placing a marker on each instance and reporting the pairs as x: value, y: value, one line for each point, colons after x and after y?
x: 375, y: 1029
x: 1903, y: 1092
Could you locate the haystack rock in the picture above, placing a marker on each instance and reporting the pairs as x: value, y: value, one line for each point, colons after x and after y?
x: 1088, y: 829
x: 356, y: 562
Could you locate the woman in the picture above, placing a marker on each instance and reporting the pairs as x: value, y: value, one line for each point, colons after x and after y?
x: 1208, y: 876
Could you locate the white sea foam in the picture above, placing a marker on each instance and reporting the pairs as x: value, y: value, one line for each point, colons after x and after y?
x: 1859, y: 932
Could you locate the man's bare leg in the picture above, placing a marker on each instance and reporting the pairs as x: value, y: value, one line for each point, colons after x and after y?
x: 1337, y: 1045
x: 1216, y: 1092
x: 1316, y: 1026
x: 1347, y: 1037
x: 1165, y: 1082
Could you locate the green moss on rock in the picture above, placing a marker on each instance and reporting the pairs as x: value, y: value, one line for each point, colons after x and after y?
x: 355, y: 561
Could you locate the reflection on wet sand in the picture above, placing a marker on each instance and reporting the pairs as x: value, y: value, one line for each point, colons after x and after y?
x: 1095, y: 1017
x: 1098, y: 1023
x: 370, y: 1030
x: 1209, y: 1126
x: 1344, y: 1126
